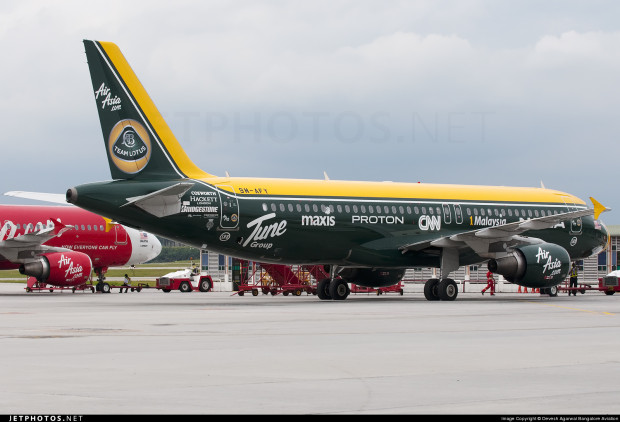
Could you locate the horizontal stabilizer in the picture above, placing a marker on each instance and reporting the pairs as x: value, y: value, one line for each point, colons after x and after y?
x: 56, y: 198
x: 163, y: 202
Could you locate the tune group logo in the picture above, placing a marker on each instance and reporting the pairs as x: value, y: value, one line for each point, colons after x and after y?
x: 129, y: 146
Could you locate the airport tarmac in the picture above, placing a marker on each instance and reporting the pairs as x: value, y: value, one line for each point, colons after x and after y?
x: 217, y: 353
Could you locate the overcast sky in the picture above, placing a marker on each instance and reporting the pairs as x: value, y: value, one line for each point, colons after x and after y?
x: 475, y: 92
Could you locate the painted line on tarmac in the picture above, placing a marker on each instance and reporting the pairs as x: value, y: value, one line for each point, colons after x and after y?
x: 574, y: 309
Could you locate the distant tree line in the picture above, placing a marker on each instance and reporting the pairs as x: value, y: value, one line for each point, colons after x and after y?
x: 177, y: 253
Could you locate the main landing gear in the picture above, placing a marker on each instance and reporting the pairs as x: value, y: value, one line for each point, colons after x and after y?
x: 435, y: 289
x: 336, y: 289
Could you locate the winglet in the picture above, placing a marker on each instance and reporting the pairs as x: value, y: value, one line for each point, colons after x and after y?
x: 598, y: 208
x: 108, y: 224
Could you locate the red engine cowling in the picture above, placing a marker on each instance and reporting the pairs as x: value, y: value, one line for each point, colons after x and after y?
x: 59, y: 268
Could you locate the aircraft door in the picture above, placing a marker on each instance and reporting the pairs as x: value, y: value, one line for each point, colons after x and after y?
x: 229, y: 209
x: 121, y: 235
x: 447, y: 214
x: 458, y: 214
x: 575, y: 223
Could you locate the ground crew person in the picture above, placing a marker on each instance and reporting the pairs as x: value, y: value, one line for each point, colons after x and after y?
x: 126, y: 284
x: 490, y: 284
x: 573, y: 280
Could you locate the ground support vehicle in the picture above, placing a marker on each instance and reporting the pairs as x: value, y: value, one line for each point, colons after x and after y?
x: 396, y: 288
x: 35, y: 286
x: 131, y: 287
x: 277, y: 279
x: 185, y: 281
x: 609, y: 285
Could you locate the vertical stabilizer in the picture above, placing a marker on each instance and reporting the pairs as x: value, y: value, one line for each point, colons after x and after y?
x: 139, y: 144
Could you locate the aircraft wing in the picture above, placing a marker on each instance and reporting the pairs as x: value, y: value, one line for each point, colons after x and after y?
x: 25, y: 247
x: 488, y: 242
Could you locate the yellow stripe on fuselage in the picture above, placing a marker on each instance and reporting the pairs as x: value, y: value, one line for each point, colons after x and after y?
x: 391, y: 190
x: 151, y: 113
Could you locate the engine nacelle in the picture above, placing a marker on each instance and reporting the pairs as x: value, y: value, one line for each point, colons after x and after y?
x: 59, y: 268
x: 367, y: 277
x: 542, y: 265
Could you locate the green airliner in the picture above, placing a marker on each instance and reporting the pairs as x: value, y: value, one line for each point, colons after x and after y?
x: 367, y: 233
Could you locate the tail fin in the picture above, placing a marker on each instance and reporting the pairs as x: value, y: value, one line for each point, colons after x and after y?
x: 139, y: 143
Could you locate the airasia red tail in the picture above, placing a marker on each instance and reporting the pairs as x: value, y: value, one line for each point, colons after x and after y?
x: 61, y: 245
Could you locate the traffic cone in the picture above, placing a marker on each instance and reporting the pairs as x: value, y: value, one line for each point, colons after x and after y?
x: 519, y: 291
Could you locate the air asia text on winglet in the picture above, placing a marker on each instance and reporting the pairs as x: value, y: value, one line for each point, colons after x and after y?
x: 367, y: 233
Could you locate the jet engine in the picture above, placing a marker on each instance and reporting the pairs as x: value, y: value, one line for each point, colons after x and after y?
x: 541, y: 265
x: 367, y: 277
x: 59, y: 268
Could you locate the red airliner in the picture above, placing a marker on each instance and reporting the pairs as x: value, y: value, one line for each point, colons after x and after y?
x: 61, y: 245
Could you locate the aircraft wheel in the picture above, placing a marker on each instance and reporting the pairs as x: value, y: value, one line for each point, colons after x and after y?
x: 105, y: 288
x: 323, y: 289
x: 609, y: 292
x: 552, y: 291
x: 447, y: 289
x: 339, y: 289
x: 430, y: 289
x: 185, y: 287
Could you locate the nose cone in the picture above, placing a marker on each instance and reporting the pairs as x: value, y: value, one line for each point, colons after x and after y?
x: 156, y: 249
x: 604, y: 235
x: 144, y: 246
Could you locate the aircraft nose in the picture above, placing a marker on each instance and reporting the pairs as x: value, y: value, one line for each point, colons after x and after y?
x: 156, y: 250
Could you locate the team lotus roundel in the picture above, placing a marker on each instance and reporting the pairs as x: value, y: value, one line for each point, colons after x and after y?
x: 129, y: 146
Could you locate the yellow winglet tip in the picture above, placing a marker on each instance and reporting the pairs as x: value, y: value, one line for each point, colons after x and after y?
x: 598, y: 208
x: 108, y: 224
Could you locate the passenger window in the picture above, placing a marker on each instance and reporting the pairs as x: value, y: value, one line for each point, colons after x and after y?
x: 264, y: 207
x: 307, y: 207
x: 273, y: 207
x: 290, y: 207
x: 282, y: 207
x: 347, y: 208
x: 315, y: 208
x: 363, y: 208
x: 371, y: 209
x: 431, y: 211
x: 409, y: 210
